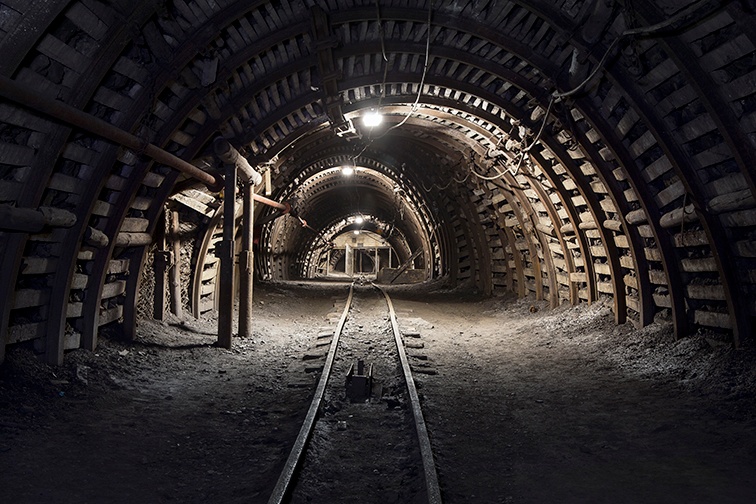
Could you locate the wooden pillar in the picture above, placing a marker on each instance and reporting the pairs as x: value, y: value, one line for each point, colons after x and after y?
x: 161, y: 259
x: 226, y: 287
x: 175, y: 278
x: 246, y: 265
x: 349, y: 261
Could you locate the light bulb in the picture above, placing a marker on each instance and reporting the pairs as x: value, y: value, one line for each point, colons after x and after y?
x: 347, y: 170
x: 372, y: 118
x: 359, y: 219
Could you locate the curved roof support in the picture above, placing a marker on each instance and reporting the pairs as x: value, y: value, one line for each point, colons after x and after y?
x: 716, y: 238
x: 557, y: 226
x: 480, y: 250
x: 594, y: 207
x: 646, y: 307
x: 719, y: 110
x: 574, y: 217
x: 530, y: 230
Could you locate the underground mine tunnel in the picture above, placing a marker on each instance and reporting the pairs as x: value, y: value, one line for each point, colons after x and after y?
x: 560, y: 195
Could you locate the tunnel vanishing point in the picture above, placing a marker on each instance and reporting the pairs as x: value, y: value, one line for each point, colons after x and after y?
x: 569, y: 151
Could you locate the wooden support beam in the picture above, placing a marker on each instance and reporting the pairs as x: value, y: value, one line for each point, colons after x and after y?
x: 555, y: 230
x: 95, y: 237
x: 715, y: 236
x: 160, y: 263
x: 30, y: 220
x: 405, y: 265
x: 246, y: 264
x: 133, y: 239
x: 485, y: 277
x: 175, y: 271
x: 225, y: 249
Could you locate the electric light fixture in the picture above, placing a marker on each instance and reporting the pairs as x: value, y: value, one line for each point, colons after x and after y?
x: 372, y: 118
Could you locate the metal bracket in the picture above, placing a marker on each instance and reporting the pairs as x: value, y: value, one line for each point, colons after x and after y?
x: 358, y: 384
x: 164, y: 258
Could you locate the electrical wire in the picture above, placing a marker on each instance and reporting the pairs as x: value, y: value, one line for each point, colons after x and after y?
x: 646, y: 30
x: 383, y: 52
x: 385, y: 72
x: 422, y: 78
x: 499, y: 175
x: 414, y: 107
x: 557, y: 96
x: 554, y: 97
x: 445, y: 186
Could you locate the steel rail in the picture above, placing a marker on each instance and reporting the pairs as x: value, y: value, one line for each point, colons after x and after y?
x: 429, y: 465
x: 282, y: 485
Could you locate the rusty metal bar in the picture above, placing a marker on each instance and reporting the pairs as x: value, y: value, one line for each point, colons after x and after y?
x: 553, y: 214
x: 18, y: 93
x: 716, y: 236
x: 284, y: 207
x: 229, y: 155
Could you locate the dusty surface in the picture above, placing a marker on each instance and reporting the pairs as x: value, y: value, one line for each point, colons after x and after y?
x: 551, y: 406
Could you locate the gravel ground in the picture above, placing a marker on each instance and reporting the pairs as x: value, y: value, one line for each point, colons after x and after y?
x: 523, y: 405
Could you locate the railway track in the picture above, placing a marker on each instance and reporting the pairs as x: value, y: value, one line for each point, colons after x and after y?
x: 364, y: 438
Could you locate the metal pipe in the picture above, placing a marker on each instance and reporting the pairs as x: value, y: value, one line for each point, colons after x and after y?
x: 15, y: 92
x: 229, y: 155
x: 284, y: 207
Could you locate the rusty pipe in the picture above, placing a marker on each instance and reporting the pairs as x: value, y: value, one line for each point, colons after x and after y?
x: 229, y: 155
x: 15, y: 92
x: 284, y: 207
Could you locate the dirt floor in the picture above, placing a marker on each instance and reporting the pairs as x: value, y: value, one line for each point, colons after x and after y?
x: 527, y: 405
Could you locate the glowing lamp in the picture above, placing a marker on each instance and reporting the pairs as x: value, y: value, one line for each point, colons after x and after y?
x: 372, y: 118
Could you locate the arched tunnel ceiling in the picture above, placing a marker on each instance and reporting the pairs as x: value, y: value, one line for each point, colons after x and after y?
x: 566, y: 150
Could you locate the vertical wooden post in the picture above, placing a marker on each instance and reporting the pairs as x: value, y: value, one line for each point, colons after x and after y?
x: 3, y: 338
x: 176, y: 307
x: 349, y: 261
x: 160, y: 266
x: 226, y: 288
x: 246, y: 265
